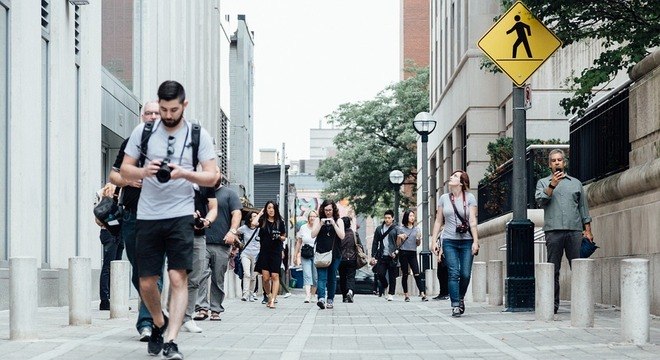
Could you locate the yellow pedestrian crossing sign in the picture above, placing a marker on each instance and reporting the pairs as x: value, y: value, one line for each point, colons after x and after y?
x: 519, y: 43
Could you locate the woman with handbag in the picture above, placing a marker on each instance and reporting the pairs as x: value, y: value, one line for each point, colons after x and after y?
x: 329, y: 230
x: 408, y: 240
x: 272, y: 233
x: 348, y: 264
x: 248, y: 256
x: 305, y: 254
x: 459, y: 241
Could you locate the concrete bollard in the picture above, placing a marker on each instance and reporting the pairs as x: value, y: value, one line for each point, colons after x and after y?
x: 429, y: 274
x: 495, y: 282
x: 479, y: 281
x: 582, y: 293
x: 80, y: 295
x: 119, y: 288
x: 23, y: 297
x: 545, y: 291
x: 635, y: 301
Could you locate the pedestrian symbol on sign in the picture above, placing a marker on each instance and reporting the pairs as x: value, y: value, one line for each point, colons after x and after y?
x: 520, y: 28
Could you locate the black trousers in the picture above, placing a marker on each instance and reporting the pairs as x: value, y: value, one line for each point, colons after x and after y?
x: 388, y: 277
x: 408, y: 259
x: 443, y: 277
x: 112, y: 250
x: 347, y: 270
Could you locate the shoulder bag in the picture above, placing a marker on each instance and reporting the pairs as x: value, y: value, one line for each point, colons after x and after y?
x: 361, y: 257
x: 323, y: 260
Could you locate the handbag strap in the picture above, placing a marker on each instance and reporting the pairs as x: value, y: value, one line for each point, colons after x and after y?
x: 404, y: 241
x: 451, y: 197
x: 251, y: 237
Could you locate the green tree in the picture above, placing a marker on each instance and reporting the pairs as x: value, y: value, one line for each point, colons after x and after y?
x: 377, y: 137
x: 628, y: 29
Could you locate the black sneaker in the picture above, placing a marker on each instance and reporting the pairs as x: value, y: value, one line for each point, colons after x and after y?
x: 456, y: 312
x: 265, y: 300
x: 171, y: 351
x: 461, y: 306
x: 104, y: 305
x: 155, y: 344
x: 349, y: 296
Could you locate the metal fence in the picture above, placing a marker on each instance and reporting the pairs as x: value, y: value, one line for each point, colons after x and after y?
x: 599, y: 140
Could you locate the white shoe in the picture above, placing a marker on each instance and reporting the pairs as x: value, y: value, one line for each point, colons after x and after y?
x: 286, y: 295
x: 252, y: 298
x: 390, y: 298
x: 145, y: 334
x: 244, y: 298
x: 190, y: 326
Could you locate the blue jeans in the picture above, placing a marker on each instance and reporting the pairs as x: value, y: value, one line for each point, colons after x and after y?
x: 309, y: 272
x: 327, y: 277
x: 128, y: 235
x: 458, y: 255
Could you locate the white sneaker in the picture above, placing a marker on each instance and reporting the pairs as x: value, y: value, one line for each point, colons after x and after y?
x: 252, y: 298
x: 244, y: 298
x: 390, y: 298
x: 190, y: 326
x: 286, y: 295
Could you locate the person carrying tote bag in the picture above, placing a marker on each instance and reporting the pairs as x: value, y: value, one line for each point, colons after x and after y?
x: 328, y: 231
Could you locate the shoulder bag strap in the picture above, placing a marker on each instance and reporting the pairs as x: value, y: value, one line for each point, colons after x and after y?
x: 256, y: 230
x: 451, y: 197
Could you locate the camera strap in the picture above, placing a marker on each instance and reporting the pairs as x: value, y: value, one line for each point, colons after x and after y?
x: 453, y: 203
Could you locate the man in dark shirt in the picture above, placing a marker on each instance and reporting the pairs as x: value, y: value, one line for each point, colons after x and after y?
x: 383, y: 250
x: 130, y: 197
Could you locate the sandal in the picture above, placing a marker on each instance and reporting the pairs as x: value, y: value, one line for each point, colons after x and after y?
x: 202, y: 314
x: 215, y: 316
x: 271, y: 305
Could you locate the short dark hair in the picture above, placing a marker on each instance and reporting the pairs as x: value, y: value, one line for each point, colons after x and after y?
x: 389, y: 212
x: 170, y: 90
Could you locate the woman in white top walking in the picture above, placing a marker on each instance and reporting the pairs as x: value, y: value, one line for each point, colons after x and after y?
x: 249, y: 254
x: 305, y: 255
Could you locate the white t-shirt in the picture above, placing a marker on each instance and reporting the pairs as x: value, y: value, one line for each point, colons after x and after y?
x: 252, y: 249
x: 305, y: 233
x: 174, y: 198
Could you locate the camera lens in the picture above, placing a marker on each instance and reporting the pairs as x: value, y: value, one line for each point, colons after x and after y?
x: 165, y: 172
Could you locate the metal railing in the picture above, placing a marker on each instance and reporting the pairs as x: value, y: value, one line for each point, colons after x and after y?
x: 599, y: 139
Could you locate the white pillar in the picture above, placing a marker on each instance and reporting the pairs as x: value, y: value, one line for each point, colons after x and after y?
x: 23, y: 297
x: 495, y: 282
x: 582, y: 293
x: 545, y: 292
x: 635, y: 301
x: 119, y: 288
x: 429, y: 274
x: 80, y: 291
x: 479, y: 281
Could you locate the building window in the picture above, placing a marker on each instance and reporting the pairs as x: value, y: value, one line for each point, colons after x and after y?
x: 4, y: 115
x: 45, y: 16
x: 76, y: 32
x: 462, y: 128
x: 117, y: 39
x: 223, y: 145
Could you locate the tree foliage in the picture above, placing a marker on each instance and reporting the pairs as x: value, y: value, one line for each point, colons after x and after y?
x: 628, y: 29
x: 377, y: 137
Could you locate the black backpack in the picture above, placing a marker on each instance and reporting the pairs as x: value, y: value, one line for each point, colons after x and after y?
x: 148, y: 130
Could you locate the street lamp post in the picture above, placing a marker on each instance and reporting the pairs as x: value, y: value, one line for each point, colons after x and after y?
x: 424, y: 124
x: 396, y: 178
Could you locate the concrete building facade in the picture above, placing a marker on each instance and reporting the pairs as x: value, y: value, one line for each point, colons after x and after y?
x: 241, y: 124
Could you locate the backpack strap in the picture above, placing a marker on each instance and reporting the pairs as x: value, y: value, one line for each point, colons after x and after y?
x: 195, y: 134
x: 144, y: 141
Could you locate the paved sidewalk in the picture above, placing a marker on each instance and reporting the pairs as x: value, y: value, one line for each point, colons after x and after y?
x: 370, y: 328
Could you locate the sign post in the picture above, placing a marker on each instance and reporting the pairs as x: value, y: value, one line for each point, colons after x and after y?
x: 519, y: 44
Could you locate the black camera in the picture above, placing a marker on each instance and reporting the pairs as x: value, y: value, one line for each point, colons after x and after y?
x: 276, y: 235
x: 462, y: 228
x: 199, y: 223
x: 327, y: 222
x: 165, y: 172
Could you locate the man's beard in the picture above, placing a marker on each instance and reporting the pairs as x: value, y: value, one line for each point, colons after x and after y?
x: 170, y: 123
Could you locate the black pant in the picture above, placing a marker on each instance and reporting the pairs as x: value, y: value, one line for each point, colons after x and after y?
x: 112, y: 249
x: 443, y: 277
x: 557, y: 242
x: 388, y: 277
x: 408, y: 259
x: 347, y: 270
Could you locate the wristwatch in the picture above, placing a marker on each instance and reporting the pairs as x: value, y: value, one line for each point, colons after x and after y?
x: 233, y: 231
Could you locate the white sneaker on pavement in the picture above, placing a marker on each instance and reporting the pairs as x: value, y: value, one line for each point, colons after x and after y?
x: 190, y: 326
x: 286, y: 295
x: 390, y: 298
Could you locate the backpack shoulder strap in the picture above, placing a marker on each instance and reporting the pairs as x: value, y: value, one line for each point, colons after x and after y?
x: 144, y: 141
x: 194, y: 136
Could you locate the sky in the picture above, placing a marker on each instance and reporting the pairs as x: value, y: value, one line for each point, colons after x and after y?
x: 310, y: 57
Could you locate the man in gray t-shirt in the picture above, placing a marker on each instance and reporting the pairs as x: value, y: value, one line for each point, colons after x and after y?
x: 164, y: 223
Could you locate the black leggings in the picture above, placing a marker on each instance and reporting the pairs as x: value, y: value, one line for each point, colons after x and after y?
x: 408, y: 258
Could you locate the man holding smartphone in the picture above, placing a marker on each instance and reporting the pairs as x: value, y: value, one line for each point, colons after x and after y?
x: 566, y: 214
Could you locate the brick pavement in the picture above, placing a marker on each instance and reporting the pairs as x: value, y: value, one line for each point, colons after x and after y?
x: 370, y: 328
